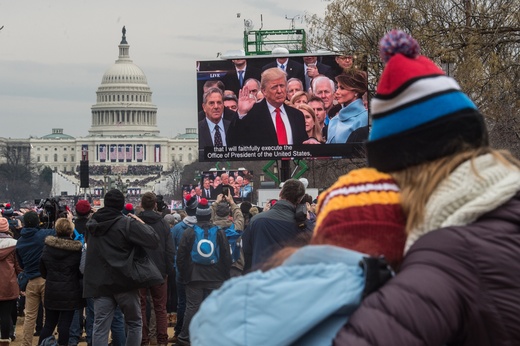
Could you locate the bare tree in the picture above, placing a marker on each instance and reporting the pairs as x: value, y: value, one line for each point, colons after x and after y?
x: 174, y: 175
x: 476, y: 41
x: 18, y: 173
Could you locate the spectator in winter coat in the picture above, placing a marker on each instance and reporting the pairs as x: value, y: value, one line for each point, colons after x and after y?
x: 276, y: 228
x: 59, y: 265
x: 459, y: 282
x: 112, y: 238
x: 222, y: 209
x: 163, y: 259
x: 201, y: 279
x: 9, y: 290
x: 29, y: 250
x: 177, y: 232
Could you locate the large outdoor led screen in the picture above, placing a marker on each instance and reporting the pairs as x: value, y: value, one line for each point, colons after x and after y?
x: 279, y: 107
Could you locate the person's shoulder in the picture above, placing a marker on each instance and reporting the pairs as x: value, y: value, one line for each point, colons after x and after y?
x: 294, y: 63
x: 293, y: 111
x: 203, y: 122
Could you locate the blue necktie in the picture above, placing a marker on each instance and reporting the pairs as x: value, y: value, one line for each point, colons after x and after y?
x: 241, y: 77
x: 282, y: 66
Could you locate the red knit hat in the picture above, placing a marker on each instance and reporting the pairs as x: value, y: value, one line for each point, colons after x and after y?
x: 83, y: 207
x: 361, y: 212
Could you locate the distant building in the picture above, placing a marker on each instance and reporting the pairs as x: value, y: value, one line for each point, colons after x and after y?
x: 123, y: 138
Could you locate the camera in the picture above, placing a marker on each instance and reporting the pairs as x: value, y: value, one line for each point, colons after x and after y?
x: 226, y: 190
x: 300, y: 216
x: 51, y: 210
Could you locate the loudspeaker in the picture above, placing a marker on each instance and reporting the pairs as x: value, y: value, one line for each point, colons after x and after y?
x: 83, y: 174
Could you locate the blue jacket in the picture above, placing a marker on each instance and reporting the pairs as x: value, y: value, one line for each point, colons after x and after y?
x: 303, y: 302
x: 178, y: 230
x: 349, y: 119
x: 29, y: 249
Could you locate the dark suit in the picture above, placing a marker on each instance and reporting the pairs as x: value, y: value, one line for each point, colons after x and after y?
x: 231, y: 81
x: 257, y: 127
x: 323, y: 69
x: 293, y: 69
x: 205, y: 139
x: 215, y: 191
x: 208, y: 195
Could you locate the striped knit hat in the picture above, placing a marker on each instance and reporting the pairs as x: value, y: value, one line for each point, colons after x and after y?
x: 418, y: 113
x: 203, y: 211
x: 361, y: 212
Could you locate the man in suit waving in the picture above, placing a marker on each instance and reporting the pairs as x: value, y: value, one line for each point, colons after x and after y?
x: 268, y: 122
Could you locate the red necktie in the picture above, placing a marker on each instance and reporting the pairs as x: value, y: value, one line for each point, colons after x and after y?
x: 280, y: 128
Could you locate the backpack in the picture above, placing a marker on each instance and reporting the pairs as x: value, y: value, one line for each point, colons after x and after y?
x: 235, y: 242
x: 205, y: 248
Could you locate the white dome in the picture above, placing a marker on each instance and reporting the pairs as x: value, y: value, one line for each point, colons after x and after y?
x: 124, y: 71
x: 124, y: 100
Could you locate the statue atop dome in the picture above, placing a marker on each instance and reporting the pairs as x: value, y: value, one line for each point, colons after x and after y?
x: 123, y: 41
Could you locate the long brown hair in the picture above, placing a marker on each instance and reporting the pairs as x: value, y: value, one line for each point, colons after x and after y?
x: 417, y: 183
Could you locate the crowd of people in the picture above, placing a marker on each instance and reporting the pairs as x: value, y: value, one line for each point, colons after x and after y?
x: 419, y: 248
x: 239, y: 184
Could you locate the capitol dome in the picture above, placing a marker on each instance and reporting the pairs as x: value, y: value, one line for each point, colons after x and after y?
x: 124, y: 100
x: 124, y: 73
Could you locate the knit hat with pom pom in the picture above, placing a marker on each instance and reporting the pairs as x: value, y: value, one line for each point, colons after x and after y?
x: 203, y: 210
x: 8, y: 210
x: 128, y: 209
x: 418, y: 113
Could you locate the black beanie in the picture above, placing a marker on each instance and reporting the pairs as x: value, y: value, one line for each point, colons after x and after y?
x: 31, y: 219
x: 115, y: 199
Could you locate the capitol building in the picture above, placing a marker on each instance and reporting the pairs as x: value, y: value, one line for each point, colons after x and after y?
x: 123, y: 140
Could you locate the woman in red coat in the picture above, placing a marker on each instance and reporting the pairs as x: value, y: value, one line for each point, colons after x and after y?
x: 9, y: 290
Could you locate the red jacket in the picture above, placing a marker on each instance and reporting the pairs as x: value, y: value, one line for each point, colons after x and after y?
x: 457, y: 286
x: 9, y: 268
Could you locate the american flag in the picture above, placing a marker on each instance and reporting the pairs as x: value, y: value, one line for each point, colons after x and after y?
x: 113, y: 153
x: 121, y: 153
x: 102, y: 153
x: 128, y: 152
x: 139, y: 152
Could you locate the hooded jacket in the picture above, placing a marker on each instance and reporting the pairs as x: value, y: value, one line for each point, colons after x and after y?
x: 9, y: 268
x: 462, y: 282
x: 163, y: 256
x: 29, y: 250
x: 305, y: 301
x: 109, y: 245
x: 59, y: 266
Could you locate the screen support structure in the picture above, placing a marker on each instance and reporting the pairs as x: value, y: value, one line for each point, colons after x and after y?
x: 284, y: 173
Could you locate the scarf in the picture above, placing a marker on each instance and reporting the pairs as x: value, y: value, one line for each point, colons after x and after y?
x: 463, y: 197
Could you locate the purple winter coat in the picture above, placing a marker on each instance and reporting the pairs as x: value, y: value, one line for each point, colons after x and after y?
x: 457, y: 286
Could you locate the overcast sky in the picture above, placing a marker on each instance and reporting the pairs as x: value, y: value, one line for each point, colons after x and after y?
x: 53, y: 54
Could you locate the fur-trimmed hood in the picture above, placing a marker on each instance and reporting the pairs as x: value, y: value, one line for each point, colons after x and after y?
x: 63, y: 243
